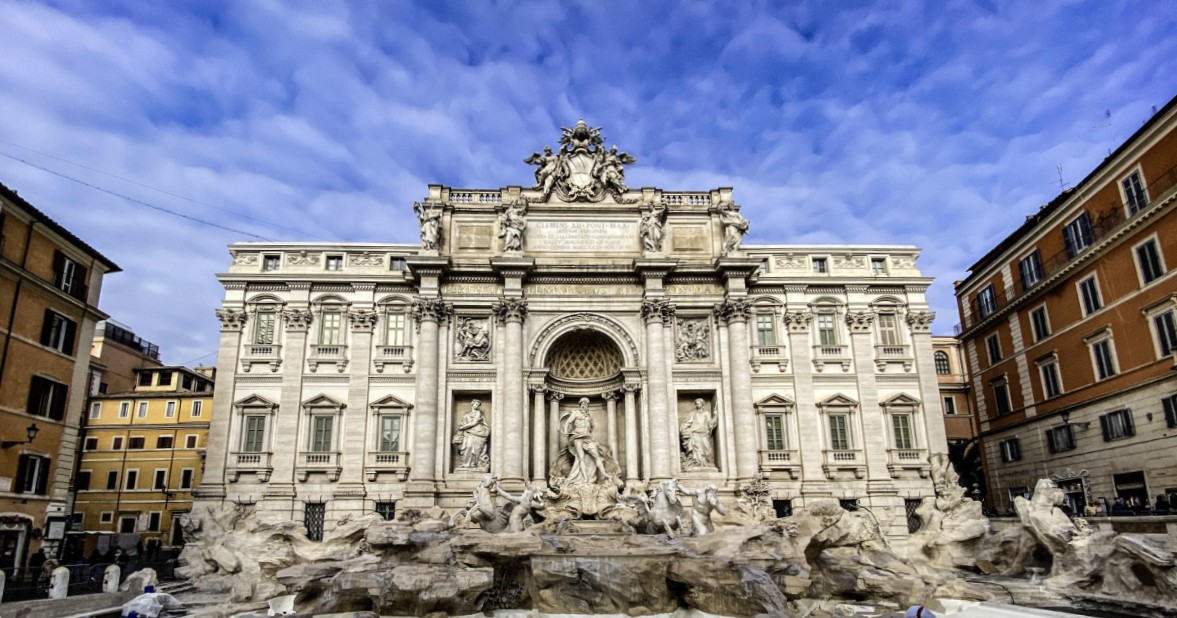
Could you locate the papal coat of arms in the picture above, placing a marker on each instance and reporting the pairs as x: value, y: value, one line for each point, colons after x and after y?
x: 583, y: 169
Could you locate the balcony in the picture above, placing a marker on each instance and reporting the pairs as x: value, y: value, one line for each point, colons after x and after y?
x: 836, y: 354
x: 261, y: 354
x: 763, y: 354
x: 394, y: 355
x: 250, y: 463
x: 333, y: 354
x: 782, y: 461
x: 901, y: 460
x: 887, y: 354
x: 835, y: 461
x: 322, y: 462
x: 396, y: 463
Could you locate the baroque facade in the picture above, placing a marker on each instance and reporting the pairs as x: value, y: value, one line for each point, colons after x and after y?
x: 581, y: 334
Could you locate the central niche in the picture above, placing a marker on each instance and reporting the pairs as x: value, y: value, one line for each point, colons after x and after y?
x: 584, y: 356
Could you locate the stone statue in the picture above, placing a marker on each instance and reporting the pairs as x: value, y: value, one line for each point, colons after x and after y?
x: 429, y: 216
x: 658, y: 510
x: 511, y: 224
x: 529, y: 500
x: 691, y: 342
x: 651, y: 227
x: 473, y: 340
x: 547, y: 172
x: 588, y: 464
x: 706, y: 501
x: 697, y: 446
x: 608, y: 169
x: 481, y: 509
x: 472, y: 437
x: 584, y: 473
x: 582, y: 169
x: 734, y: 226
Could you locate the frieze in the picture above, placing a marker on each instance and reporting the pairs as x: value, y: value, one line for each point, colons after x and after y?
x: 302, y: 258
x: 319, y: 379
x: 903, y: 261
x: 365, y: 259
x: 250, y: 379
x: 392, y: 380
x: 243, y: 259
x: 850, y: 261
x: 471, y: 288
x: 569, y: 289
x: 791, y: 261
x: 693, y: 289
x: 470, y: 376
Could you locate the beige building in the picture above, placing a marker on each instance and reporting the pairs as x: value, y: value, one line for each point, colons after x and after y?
x: 959, y: 414
x: 577, y: 333
x: 115, y: 354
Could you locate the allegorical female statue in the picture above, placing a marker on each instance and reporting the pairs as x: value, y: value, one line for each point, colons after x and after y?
x: 429, y: 216
x: 698, y: 450
x: 511, y: 224
x: 472, y: 437
x: 734, y: 226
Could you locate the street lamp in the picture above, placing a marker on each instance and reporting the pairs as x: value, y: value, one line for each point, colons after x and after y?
x: 32, y: 432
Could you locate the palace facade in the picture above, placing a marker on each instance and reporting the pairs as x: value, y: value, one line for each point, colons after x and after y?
x: 577, y: 333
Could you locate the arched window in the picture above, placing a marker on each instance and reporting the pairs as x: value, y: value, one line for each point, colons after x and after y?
x: 942, y: 367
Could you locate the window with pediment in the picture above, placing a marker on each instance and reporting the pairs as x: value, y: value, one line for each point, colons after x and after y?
x: 903, y: 413
x: 265, y: 317
x: 839, y: 413
x: 323, y: 415
x: 388, y: 424
x: 331, y: 313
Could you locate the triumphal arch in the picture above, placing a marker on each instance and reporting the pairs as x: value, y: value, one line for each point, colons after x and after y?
x: 576, y: 336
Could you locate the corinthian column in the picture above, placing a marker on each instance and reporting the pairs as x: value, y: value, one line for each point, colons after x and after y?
x: 510, y: 312
x: 656, y: 312
x: 539, y: 439
x: 631, y: 432
x: 212, y: 483
x: 610, y: 398
x: 734, y: 312
x: 427, y: 312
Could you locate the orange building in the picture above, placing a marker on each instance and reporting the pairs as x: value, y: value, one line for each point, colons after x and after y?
x: 1069, y: 331
x: 959, y: 413
x: 50, y: 281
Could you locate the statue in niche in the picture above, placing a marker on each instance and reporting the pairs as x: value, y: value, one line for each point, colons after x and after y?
x: 734, y: 226
x: 706, y: 501
x: 429, y: 216
x: 584, y: 476
x: 511, y: 224
x: 698, y: 449
x: 692, y: 340
x: 651, y: 227
x: 473, y: 339
x: 472, y: 437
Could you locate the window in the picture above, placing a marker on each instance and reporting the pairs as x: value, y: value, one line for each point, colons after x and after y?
x: 1089, y: 295
x: 878, y: 266
x: 827, y: 330
x: 321, y: 433
x: 116, y: 443
x: 186, y: 476
x: 820, y: 266
x: 164, y: 442
x: 161, y: 480
x: 105, y: 517
x: 1011, y: 450
x: 1103, y: 358
x: 313, y: 516
x: 901, y: 427
x: 888, y: 325
x: 840, y: 432
x: 1116, y: 425
x: 765, y: 331
x: 271, y: 262
x: 394, y: 329
x: 32, y: 475
x: 197, y: 407
x: 190, y: 441
x: 1165, y: 331
x: 127, y: 524
x: 132, y: 480
x: 1059, y: 439
x: 263, y: 328
x: 390, y: 434
x: 774, y: 431
x: 135, y: 443
x: 1170, y: 405
x: 96, y: 409
x: 993, y: 346
x: 1001, y: 397
x: 1148, y: 260
x: 112, y: 479
x: 330, y: 331
x: 950, y: 405
x: 1039, y: 324
x: 145, y: 378
x: 986, y: 301
x: 58, y: 332
x: 125, y: 409
x: 1077, y: 235
x: 165, y: 378
x: 1051, y: 384
x: 142, y: 409
x: 186, y: 383
x: 91, y: 444
x: 170, y: 409
x: 1134, y: 196
x: 334, y: 262
x: 82, y: 482
x: 69, y: 276
x: 942, y: 366
x: 153, y: 521
x: 397, y: 263
x: 47, y: 398
x: 387, y: 510
x: 782, y: 508
x: 1030, y: 270
x: 255, y: 433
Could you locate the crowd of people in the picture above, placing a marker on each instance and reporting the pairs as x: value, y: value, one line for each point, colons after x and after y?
x: 1132, y: 505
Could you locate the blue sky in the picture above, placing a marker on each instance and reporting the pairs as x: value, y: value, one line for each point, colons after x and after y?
x: 938, y: 124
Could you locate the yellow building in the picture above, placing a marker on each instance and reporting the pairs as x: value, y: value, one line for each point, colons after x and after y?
x: 142, y: 453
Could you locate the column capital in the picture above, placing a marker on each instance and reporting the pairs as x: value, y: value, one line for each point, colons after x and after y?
x: 554, y: 396
x: 296, y: 320
x: 231, y: 319
x: 631, y: 387
x: 657, y: 309
x: 510, y: 309
x: 538, y: 389
x: 921, y: 321
x: 798, y: 321
x: 610, y: 395
x: 362, y: 320
x: 431, y: 309
x: 733, y: 310
x: 860, y: 321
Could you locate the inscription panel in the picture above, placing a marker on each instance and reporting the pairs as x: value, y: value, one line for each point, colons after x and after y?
x: 582, y: 236
x: 693, y: 289
x: 688, y: 238
x: 472, y: 236
x: 577, y: 289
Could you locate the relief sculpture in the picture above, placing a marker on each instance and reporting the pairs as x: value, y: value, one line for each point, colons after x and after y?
x: 472, y: 340
x: 693, y: 340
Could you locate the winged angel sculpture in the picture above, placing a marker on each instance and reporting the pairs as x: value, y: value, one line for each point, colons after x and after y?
x: 582, y: 169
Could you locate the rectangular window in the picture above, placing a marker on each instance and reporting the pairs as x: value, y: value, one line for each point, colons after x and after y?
x: 1148, y: 259
x: 164, y: 442
x: 82, y: 483
x: 1059, y: 439
x: 1089, y: 295
x: 993, y: 346
x: 394, y: 329
x: 1117, y: 425
x: 334, y: 262
x: 321, y: 433
x: 135, y: 443
x: 112, y: 479
x: 170, y: 409
x: 142, y: 409
x: 878, y: 266
x: 986, y: 301
x: 190, y: 441
x: 161, y: 480
x: 1011, y: 450
x: 197, y: 408
x: 145, y: 378
x: 1134, y: 196
x: 1039, y: 323
x: 132, y: 480
x: 263, y: 328
x: 765, y: 332
x: 827, y: 330
x: 390, y: 434
x: 1166, y: 332
x: 1077, y: 235
x: 329, y: 328
x: 95, y: 410
x: 116, y: 443
x: 820, y: 266
x: 153, y: 520
x: 186, y: 478
x: 47, y: 398
x: 888, y: 329
x: 105, y: 517
x: 58, y: 332
x: 397, y: 263
x: 387, y: 510
x: 1103, y: 358
x: 1170, y: 405
x: 69, y: 276
x: 165, y: 378
x: 901, y: 425
x: 127, y: 524
x: 32, y: 475
x: 1001, y: 397
x: 774, y: 427
x: 125, y: 409
x: 271, y: 262
x: 255, y: 432
x: 950, y: 405
x: 1030, y: 270
x: 1051, y: 384
x: 839, y: 432
x: 91, y: 444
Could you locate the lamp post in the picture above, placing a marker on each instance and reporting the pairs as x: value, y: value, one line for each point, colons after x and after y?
x: 32, y: 433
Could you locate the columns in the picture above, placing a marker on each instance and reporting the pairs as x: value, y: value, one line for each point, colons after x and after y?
x: 809, y: 420
x: 735, y: 312
x: 554, y: 421
x: 510, y: 312
x: 428, y: 312
x: 539, y: 438
x: 631, y: 432
x: 353, y: 433
x: 611, y: 420
x: 920, y: 323
x: 656, y: 312
x: 212, y: 483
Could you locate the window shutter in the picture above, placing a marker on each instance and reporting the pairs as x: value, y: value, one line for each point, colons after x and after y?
x: 1017, y: 449
x: 47, y: 328
x: 1105, y: 425
x: 1129, y: 425
x: 71, y: 332
x: 36, y: 389
x: 58, y: 268
x: 22, y: 470
x: 57, y: 403
x: 1050, y: 443
x: 79, y: 282
x: 43, y: 477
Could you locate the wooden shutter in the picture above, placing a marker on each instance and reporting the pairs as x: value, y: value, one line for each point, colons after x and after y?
x: 58, y: 268
x: 22, y: 470
x: 47, y: 328
x: 1106, y: 426
x: 57, y: 402
x: 36, y: 393
x: 43, y: 476
x: 79, y: 283
x: 1129, y: 425
x: 71, y: 333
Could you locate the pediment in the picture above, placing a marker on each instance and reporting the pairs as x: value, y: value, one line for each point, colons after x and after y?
x: 902, y: 399
x: 775, y: 401
x: 838, y: 400
x: 323, y: 401
x: 254, y: 401
x: 390, y: 401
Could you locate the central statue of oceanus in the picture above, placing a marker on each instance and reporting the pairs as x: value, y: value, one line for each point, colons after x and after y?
x: 583, y: 169
x: 584, y: 478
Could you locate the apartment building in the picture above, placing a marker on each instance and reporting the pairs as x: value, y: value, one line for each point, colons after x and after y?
x: 959, y: 412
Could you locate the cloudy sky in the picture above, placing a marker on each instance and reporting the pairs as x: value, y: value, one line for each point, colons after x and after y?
x: 938, y: 124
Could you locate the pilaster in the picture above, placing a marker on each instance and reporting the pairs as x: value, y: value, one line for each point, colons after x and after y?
x: 511, y: 312
x: 427, y: 312
x: 656, y: 312
x: 920, y: 324
x: 874, y: 427
x: 355, y: 416
x: 809, y: 420
x: 285, y: 441
x: 212, y: 482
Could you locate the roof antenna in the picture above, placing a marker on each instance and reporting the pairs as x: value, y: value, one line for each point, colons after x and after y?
x: 1062, y: 185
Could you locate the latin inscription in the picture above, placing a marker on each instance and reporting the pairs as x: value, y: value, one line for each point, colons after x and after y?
x: 582, y: 236
x: 688, y: 239
x: 474, y: 236
x: 692, y: 289
x: 573, y: 289
x: 470, y: 288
